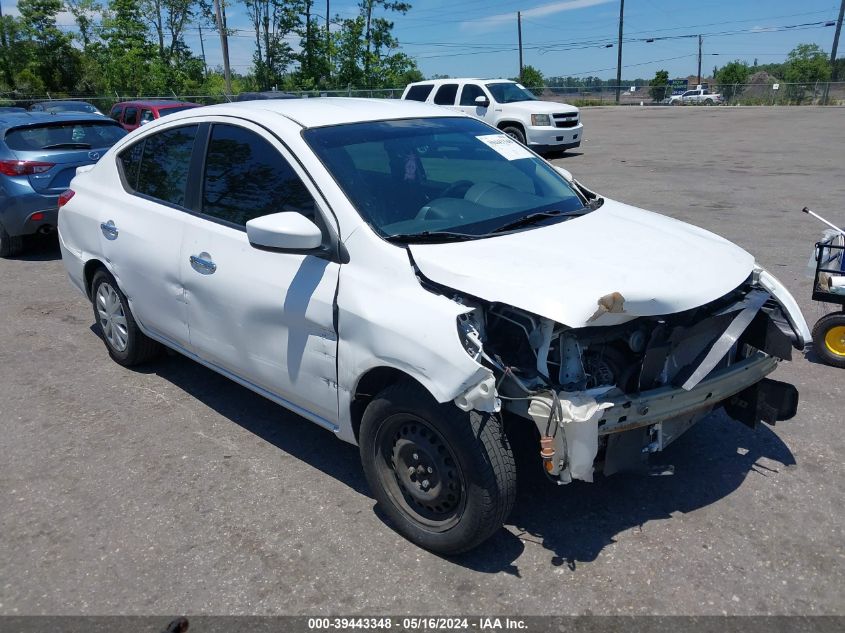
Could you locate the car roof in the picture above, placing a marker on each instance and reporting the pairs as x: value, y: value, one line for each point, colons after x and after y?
x: 157, y: 103
x: 324, y: 111
x: 10, y: 120
x: 456, y: 80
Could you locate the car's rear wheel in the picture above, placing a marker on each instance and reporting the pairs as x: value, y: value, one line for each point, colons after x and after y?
x: 126, y: 344
x: 515, y: 133
x: 10, y: 246
x: 446, y: 479
x: 829, y: 339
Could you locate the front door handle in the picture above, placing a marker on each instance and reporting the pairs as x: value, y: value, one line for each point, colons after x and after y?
x: 109, y: 230
x: 202, y: 264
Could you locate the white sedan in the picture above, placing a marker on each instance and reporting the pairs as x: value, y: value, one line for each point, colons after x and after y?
x: 407, y: 277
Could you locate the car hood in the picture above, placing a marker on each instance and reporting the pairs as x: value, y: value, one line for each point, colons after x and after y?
x: 539, y: 107
x: 567, y: 271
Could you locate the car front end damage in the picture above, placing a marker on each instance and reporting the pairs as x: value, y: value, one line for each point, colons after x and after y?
x: 603, y: 397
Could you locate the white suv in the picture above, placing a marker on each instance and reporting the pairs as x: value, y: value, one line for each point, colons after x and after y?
x: 544, y: 126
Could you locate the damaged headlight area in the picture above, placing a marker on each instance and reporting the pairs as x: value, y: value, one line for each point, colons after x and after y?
x: 607, y: 396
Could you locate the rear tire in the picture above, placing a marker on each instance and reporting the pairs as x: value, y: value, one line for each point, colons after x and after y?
x: 515, y: 133
x: 10, y: 246
x: 126, y: 344
x: 829, y: 339
x: 445, y: 478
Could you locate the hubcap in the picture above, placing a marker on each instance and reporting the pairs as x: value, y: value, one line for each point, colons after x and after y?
x: 834, y: 340
x: 111, y: 316
x: 420, y: 473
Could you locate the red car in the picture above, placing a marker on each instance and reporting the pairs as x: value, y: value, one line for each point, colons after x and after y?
x: 134, y: 114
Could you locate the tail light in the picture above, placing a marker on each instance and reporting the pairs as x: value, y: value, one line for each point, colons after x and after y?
x: 23, y: 167
x: 65, y: 196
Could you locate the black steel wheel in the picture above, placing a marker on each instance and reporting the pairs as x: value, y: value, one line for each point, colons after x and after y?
x: 445, y: 478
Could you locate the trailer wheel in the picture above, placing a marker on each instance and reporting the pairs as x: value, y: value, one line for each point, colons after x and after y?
x: 829, y: 339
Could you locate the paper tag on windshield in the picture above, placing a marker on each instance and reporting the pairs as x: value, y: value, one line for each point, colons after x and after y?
x: 505, y: 146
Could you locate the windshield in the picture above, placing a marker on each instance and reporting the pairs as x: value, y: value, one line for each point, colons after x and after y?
x: 70, y: 107
x: 510, y: 93
x: 427, y: 177
x: 174, y: 109
x: 80, y: 134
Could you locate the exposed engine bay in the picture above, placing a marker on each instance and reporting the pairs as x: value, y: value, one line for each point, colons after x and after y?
x: 607, y: 396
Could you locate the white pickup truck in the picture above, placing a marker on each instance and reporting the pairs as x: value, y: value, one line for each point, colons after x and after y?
x: 698, y: 96
x: 544, y: 126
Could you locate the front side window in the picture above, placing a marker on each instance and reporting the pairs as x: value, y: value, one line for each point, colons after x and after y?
x: 146, y: 116
x: 415, y: 179
x: 245, y: 177
x: 166, y: 159
x: 470, y: 93
x: 510, y: 93
x: 446, y: 94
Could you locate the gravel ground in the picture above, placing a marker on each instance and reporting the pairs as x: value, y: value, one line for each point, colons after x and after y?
x: 172, y: 490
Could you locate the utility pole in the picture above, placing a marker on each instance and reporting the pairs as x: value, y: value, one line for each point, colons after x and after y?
x: 328, y: 38
x: 699, y: 59
x: 519, y: 32
x: 619, y: 52
x: 836, y: 41
x: 202, y: 48
x: 224, y: 45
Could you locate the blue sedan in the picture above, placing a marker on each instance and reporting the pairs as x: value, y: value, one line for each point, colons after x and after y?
x: 39, y: 154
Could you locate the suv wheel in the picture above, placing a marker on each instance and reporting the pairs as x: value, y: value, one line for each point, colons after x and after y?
x: 10, y: 246
x: 515, y: 133
x: 126, y: 343
x: 445, y: 478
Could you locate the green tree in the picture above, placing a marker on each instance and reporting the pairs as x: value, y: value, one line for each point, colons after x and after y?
x: 730, y: 78
x: 52, y: 59
x: 659, y: 85
x: 273, y: 21
x: 532, y: 79
x: 84, y: 13
x: 805, y: 65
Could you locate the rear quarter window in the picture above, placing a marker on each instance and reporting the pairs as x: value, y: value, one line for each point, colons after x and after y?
x: 446, y: 94
x: 418, y: 93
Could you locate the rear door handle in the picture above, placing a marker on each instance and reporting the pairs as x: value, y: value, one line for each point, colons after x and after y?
x: 202, y: 264
x: 109, y: 230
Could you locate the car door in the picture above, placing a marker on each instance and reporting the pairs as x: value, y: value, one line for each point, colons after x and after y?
x: 467, y: 105
x: 142, y: 227
x: 265, y: 316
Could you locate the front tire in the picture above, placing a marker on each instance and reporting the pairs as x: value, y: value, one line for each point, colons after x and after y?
x: 829, y: 339
x: 445, y: 478
x: 126, y: 344
x: 515, y: 133
x: 10, y: 246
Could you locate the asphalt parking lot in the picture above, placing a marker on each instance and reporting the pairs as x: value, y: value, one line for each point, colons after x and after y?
x: 169, y: 489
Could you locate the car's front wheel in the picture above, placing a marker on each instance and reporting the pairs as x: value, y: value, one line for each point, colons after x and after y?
x: 515, y: 133
x: 126, y: 344
x: 445, y: 478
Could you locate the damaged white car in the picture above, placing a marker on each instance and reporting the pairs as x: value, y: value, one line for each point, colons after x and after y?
x: 406, y: 277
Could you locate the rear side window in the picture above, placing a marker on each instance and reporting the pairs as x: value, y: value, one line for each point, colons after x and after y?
x: 59, y: 136
x: 418, y: 93
x: 245, y: 177
x: 446, y: 94
x: 115, y: 112
x: 130, y: 162
x: 165, y: 161
x: 130, y: 117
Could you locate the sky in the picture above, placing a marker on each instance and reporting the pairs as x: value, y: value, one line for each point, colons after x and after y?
x: 570, y: 37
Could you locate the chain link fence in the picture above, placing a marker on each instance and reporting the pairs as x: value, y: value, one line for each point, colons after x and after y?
x: 768, y: 94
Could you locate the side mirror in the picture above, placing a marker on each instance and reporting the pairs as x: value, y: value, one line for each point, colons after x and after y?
x: 288, y: 231
x: 143, y: 122
x: 565, y: 173
x: 482, y: 101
